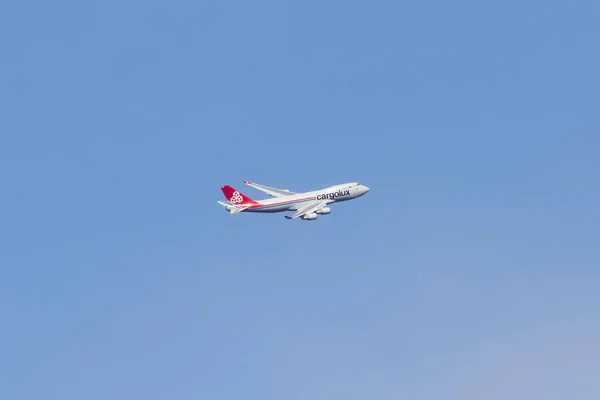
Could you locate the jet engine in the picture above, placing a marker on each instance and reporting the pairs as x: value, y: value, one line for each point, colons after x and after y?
x: 310, y: 216
x: 324, y: 210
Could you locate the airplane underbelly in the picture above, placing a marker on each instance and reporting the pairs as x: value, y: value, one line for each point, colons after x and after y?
x: 273, y: 209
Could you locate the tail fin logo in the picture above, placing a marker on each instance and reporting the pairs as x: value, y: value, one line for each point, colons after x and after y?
x: 236, y: 198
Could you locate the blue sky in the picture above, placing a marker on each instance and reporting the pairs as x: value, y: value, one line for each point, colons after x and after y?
x: 469, y: 271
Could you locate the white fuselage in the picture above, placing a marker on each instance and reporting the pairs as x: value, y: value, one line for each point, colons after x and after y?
x: 333, y: 194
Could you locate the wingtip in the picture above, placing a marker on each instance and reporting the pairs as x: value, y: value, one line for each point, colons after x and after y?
x: 247, y: 182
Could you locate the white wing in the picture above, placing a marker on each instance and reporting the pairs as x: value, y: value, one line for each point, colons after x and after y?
x: 269, y: 190
x: 309, y: 207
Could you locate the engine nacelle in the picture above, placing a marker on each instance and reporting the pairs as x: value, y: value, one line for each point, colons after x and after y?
x: 310, y: 216
x: 324, y: 210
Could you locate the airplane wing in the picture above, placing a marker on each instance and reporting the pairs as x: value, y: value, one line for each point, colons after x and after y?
x: 269, y: 190
x: 308, y: 208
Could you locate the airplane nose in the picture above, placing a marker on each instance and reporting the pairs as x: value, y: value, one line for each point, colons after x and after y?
x: 365, y: 188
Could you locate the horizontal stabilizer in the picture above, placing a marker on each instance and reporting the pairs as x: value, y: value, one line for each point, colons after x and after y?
x: 233, y: 209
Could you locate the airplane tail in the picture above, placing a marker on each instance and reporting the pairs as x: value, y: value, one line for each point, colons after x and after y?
x: 235, y: 197
x: 233, y: 209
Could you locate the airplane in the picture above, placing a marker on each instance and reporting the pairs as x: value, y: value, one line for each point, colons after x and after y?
x: 306, y: 205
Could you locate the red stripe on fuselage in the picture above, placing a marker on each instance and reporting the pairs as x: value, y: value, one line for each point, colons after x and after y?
x: 281, y: 203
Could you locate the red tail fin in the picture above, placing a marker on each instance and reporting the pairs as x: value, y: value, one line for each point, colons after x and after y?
x: 235, y: 197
